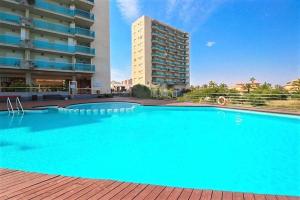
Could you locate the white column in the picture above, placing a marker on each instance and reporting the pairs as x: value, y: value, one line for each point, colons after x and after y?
x: 28, y: 78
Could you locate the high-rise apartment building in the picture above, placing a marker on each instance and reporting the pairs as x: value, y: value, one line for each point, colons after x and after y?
x: 53, y: 42
x: 160, y: 54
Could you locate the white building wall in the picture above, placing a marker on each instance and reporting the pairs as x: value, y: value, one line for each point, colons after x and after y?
x: 101, y: 78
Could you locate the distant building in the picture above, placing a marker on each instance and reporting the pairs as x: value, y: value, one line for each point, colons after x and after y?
x: 293, y: 85
x: 127, y: 83
x: 160, y: 54
x: 122, y: 86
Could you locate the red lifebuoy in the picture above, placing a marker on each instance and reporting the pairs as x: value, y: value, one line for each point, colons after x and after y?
x: 222, y: 101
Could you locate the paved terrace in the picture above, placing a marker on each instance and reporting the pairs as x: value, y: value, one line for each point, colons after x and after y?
x: 21, y: 185
x: 172, y: 102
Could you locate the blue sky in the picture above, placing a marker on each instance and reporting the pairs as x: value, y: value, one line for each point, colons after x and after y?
x: 231, y: 40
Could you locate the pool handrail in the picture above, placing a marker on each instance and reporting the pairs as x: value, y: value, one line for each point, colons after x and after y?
x: 10, y: 108
x: 19, y: 105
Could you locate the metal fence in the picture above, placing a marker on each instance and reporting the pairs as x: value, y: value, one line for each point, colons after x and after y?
x: 250, y: 99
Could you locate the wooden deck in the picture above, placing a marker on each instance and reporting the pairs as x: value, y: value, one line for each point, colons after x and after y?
x: 22, y: 185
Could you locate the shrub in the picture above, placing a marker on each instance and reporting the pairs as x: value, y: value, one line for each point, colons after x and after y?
x: 141, y: 91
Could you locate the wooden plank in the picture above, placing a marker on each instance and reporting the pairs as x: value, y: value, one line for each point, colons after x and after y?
x: 73, y: 189
x: 165, y: 193
x: 279, y: 197
x: 45, y: 193
x: 100, y: 186
x: 124, y: 192
x: 105, y: 191
x: 26, y: 184
x: 175, y: 194
x: 185, y: 194
x: 259, y: 197
x: 196, y: 195
x: 18, y: 180
x: 227, y: 196
x: 114, y: 191
x: 154, y: 193
x: 248, y: 196
x: 132, y: 194
x: 21, y: 191
x: 206, y: 195
x: 144, y: 193
x: 216, y: 195
x: 237, y: 196
x: 270, y: 197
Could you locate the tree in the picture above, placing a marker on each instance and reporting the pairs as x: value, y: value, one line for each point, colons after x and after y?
x: 252, y: 80
x: 141, y: 91
x: 212, y: 84
x: 247, y: 87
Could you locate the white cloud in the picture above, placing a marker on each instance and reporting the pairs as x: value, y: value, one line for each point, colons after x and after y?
x: 129, y: 9
x: 120, y: 75
x: 210, y: 43
x: 192, y: 13
x: 171, y: 5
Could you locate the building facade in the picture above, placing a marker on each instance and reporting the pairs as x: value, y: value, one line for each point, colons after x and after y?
x: 160, y: 54
x: 53, y: 42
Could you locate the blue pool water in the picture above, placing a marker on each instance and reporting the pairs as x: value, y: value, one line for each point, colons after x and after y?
x: 204, y: 148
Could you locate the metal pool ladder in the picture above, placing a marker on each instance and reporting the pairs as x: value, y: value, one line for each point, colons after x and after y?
x: 10, y: 108
x: 19, y: 105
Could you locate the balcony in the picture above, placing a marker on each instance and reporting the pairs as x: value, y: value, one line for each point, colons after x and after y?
x: 9, y: 18
x: 84, y: 67
x: 84, y: 32
x: 45, y: 65
x: 10, y: 62
x: 53, y: 46
x: 48, y: 65
x: 84, y: 50
x: 84, y: 14
x: 38, y: 44
x: 10, y: 40
x: 39, y: 24
x: 60, y: 66
x: 57, y: 9
x: 40, y: 4
x: 63, y: 48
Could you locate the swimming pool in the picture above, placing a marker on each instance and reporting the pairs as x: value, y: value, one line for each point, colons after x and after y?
x: 192, y: 147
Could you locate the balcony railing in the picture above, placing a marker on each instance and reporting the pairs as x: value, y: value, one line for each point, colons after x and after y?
x: 46, y: 65
x: 40, y: 64
x: 42, y: 4
x: 52, y: 26
x: 10, y: 18
x: 11, y: 40
x: 84, y: 14
x: 53, y: 8
x: 86, y: 50
x: 85, y: 32
x: 10, y: 62
x: 53, y: 46
x: 84, y: 67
